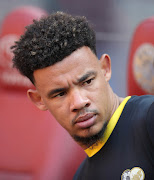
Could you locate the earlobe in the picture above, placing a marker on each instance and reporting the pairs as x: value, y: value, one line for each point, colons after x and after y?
x: 35, y: 97
x: 105, y: 62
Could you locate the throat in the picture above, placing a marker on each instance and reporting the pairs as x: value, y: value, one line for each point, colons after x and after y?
x: 117, y: 101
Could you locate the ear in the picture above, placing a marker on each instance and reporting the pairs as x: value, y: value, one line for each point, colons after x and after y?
x: 105, y: 62
x: 35, y: 97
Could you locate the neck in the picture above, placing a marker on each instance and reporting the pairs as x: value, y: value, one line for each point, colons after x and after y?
x: 116, y: 102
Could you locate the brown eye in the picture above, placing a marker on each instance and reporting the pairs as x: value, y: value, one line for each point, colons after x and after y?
x: 88, y: 82
x: 60, y: 94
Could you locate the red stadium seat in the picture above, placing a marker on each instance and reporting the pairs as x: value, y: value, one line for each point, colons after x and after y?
x: 32, y: 145
x: 141, y: 59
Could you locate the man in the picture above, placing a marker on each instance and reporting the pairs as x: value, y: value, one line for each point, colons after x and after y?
x: 58, y: 55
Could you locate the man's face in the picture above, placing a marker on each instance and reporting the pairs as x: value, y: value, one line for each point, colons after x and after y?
x: 76, y: 92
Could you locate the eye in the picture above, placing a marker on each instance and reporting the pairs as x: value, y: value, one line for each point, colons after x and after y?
x: 88, y: 82
x: 60, y: 94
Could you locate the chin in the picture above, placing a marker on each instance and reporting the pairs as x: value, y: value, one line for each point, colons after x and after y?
x: 92, y: 137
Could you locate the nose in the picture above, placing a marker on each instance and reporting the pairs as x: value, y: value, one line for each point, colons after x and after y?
x: 78, y: 101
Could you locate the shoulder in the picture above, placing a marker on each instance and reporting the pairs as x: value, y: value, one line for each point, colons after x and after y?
x: 150, y: 122
x: 142, y: 100
x: 142, y: 115
x: 141, y: 104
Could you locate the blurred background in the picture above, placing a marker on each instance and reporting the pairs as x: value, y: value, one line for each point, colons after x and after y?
x: 32, y: 145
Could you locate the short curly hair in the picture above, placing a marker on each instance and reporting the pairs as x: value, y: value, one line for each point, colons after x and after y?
x: 50, y: 40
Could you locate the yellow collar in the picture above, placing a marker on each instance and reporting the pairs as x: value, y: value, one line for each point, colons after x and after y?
x: 92, y: 150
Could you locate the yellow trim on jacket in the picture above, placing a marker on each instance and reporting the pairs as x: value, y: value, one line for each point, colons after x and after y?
x: 92, y: 150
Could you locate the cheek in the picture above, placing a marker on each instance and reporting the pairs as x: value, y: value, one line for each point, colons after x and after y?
x: 99, y: 90
x: 60, y: 114
x: 101, y: 95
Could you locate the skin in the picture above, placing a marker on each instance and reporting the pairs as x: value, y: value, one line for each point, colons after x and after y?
x: 76, y: 91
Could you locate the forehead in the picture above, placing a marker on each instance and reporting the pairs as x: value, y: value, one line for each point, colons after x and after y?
x: 72, y: 67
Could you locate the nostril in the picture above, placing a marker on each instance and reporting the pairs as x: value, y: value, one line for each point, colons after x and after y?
x: 75, y: 110
x: 87, y: 105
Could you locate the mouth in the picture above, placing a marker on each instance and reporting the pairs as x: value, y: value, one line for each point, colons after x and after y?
x: 86, y: 120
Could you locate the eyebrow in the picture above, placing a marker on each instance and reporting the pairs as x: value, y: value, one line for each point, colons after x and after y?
x: 85, y: 76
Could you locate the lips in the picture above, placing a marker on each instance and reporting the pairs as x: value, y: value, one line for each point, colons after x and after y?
x: 86, y: 121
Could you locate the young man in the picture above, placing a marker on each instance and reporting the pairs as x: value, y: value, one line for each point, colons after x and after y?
x: 58, y: 55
